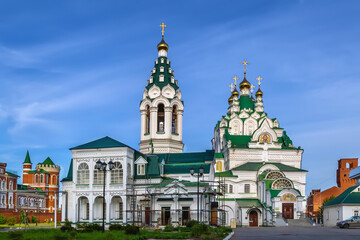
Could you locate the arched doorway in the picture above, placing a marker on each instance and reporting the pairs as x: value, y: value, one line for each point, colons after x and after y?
x: 98, y: 209
x: 83, y: 209
x: 116, y: 209
x: 253, y: 218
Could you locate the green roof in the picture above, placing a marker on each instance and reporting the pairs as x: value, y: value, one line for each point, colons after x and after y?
x: 275, y: 192
x: 225, y: 174
x: 246, y: 102
x: 48, y: 161
x: 40, y: 171
x: 27, y: 158
x: 105, y: 142
x: 255, y: 166
x: 165, y: 73
x: 237, y: 141
x: 219, y: 155
x: 349, y: 196
x: 22, y: 187
x: 69, y: 176
x: 193, y: 157
x: 12, y: 174
x: 249, y: 202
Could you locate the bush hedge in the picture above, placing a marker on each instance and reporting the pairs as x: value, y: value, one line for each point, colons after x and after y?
x: 130, y: 229
x: 11, y: 221
x: 2, y: 219
x: 116, y: 227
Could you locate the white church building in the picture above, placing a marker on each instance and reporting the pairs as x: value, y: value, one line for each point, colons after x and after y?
x: 252, y: 176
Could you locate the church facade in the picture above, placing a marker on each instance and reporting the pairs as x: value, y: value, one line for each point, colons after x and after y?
x: 257, y: 163
x: 158, y: 185
x: 251, y: 177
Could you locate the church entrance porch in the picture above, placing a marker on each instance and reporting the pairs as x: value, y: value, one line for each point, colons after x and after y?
x: 253, y: 218
x: 288, y: 210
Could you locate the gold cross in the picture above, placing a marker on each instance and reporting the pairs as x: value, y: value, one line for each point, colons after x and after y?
x: 245, y: 63
x: 163, y: 26
x: 252, y: 88
x: 259, y: 78
x: 235, y: 79
x: 231, y: 87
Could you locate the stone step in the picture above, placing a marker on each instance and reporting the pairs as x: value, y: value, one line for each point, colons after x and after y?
x: 299, y: 222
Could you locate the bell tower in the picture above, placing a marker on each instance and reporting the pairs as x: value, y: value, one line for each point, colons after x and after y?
x: 161, y: 107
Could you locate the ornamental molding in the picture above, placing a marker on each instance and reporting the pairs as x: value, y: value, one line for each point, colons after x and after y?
x: 117, y: 193
x: 82, y: 194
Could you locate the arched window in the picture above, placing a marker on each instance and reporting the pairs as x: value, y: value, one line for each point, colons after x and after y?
x: 36, y: 178
x: 83, y: 174
x: 282, y: 183
x: 98, y: 176
x: 174, y: 120
x: 161, y: 118
x: 11, y: 185
x: 53, y: 180
x: 117, y: 173
x: 147, y: 123
x: 41, y: 178
x: 129, y: 175
x: 57, y: 180
x: 274, y: 175
x: 47, y: 179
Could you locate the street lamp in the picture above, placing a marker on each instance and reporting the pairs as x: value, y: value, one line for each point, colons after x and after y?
x: 101, y: 166
x: 198, y: 175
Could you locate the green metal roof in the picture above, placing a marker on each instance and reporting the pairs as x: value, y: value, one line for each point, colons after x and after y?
x: 193, y: 157
x: 275, y: 192
x: 48, y: 161
x: 105, y: 142
x: 40, y: 171
x: 22, y: 187
x: 173, y: 169
x: 165, y: 73
x: 246, y: 102
x: 349, y: 196
x: 237, y: 141
x: 225, y: 174
x: 69, y: 176
x: 12, y: 174
x: 255, y: 166
x: 249, y: 202
x: 27, y: 158
x: 219, y: 155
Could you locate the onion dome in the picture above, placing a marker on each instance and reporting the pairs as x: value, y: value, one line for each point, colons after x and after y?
x: 245, y: 83
x: 235, y: 94
x: 230, y: 100
x: 259, y: 93
x: 162, y: 45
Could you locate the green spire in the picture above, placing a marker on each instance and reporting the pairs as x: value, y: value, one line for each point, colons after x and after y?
x: 48, y: 161
x: 27, y: 158
x: 69, y: 176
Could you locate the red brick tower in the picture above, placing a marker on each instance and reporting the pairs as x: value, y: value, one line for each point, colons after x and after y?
x: 27, y: 167
x: 342, y: 173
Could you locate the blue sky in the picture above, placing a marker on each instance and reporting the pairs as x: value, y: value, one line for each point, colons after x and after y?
x: 74, y: 71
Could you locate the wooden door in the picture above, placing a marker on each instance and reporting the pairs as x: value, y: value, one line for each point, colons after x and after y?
x: 214, y: 216
x: 253, y: 219
x: 185, y: 215
x: 288, y: 210
x: 147, y: 215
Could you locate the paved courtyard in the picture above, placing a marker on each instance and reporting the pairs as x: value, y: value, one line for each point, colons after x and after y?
x: 318, y: 233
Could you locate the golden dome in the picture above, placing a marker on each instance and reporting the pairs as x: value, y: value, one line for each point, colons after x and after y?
x: 235, y: 94
x: 230, y: 100
x: 162, y: 45
x: 259, y: 93
x: 245, y: 84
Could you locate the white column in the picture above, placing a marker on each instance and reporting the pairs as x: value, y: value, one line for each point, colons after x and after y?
x: 91, y: 208
x: 153, y: 121
x: 143, y: 123
x: 180, y: 123
x: 124, y: 209
x: 107, y: 213
x: 168, y: 121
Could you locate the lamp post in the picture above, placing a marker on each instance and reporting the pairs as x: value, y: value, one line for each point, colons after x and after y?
x: 198, y: 175
x: 101, y: 166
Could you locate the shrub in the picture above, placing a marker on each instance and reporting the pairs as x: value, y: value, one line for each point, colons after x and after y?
x: 61, y: 236
x: 169, y: 229
x: 2, y: 219
x: 96, y: 227
x: 130, y: 229
x: 191, y: 223
x: 116, y: 227
x: 199, y: 229
x: 11, y: 221
x: 15, y: 235
x: 33, y: 219
x: 67, y: 227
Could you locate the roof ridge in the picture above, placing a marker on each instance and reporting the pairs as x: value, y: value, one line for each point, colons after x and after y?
x: 342, y: 201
